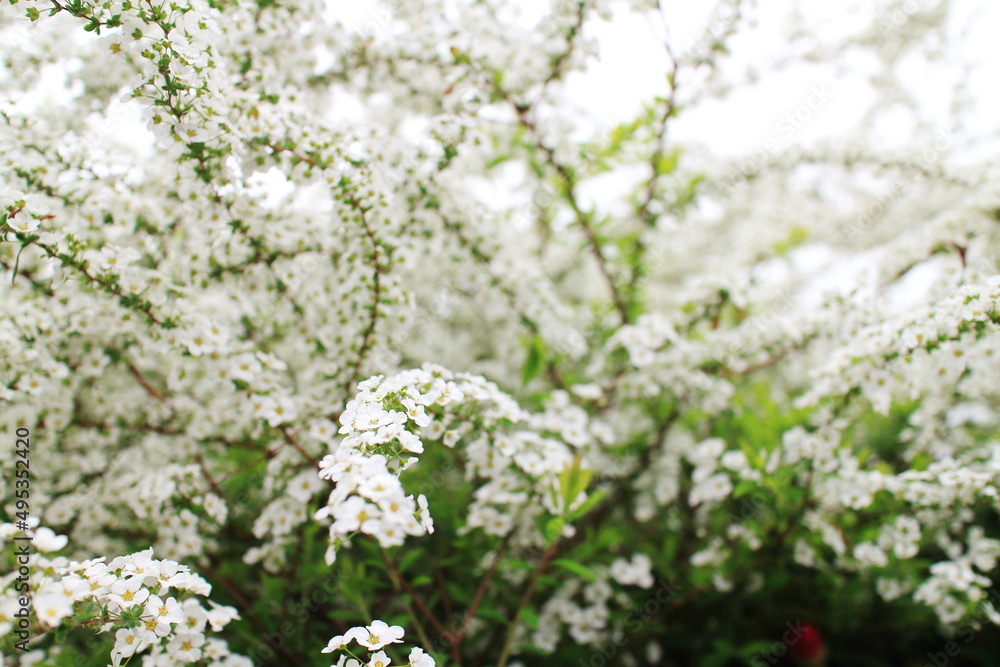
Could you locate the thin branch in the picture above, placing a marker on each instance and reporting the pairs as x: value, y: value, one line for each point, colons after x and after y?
x: 484, y: 584
x: 293, y: 441
x: 246, y: 608
x: 398, y: 577
x: 529, y: 592
x: 144, y: 381
x: 369, y: 333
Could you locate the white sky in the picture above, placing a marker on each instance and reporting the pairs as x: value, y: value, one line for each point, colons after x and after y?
x: 633, y: 62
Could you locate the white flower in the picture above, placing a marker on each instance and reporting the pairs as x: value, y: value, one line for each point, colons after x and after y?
x: 163, y: 613
x: 714, y: 488
x: 424, y: 514
x: 416, y: 412
x: 638, y: 572
x: 128, y: 641
x: 22, y: 223
x: 186, y: 646
x: 127, y: 593
x: 420, y: 659
x: 356, y: 514
x: 870, y: 555
x: 380, y: 634
x: 45, y: 540
x: 220, y: 616
x: 336, y: 643
x: 244, y: 367
x: 51, y: 608
x: 372, y: 637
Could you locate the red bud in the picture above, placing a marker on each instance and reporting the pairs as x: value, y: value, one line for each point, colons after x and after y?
x: 809, y: 646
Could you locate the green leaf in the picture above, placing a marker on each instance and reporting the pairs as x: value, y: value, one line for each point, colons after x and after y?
x: 500, y: 159
x: 754, y: 457
x: 530, y: 617
x: 588, y: 504
x: 458, y: 592
x: 520, y: 564
x: 576, y: 568
x: 796, y: 237
x: 668, y: 162
x: 460, y: 58
x: 573, y: 481
x: 409, y: 559
x: 345, y: 615
x: 529, y: 648
x: 535, y: 359
x: 553, y: 528
x: 751, y: 649
x: 670, y: 543
x: 493, y: 615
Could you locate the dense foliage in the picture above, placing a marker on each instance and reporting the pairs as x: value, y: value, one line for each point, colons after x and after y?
x: 370, y: 345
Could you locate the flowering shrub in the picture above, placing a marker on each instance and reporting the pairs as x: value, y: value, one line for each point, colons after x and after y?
x: 367, y: 334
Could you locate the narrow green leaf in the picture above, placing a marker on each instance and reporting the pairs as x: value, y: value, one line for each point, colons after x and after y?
x: 530, y: 617
x: 575, y: 568
x: 534, y: 361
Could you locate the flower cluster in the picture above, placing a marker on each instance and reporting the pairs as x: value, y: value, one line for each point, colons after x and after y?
x: 373, y: 638
x: 584, y: 608
x: 385, y: 428
x: 152, y: 606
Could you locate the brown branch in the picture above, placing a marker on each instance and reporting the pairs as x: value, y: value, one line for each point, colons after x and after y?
x: 481, y: 590
x: 145, y: 308
x: 369, y: 333
x: 208, y: 476
x: 291, y: 440
x: 529, y: 592
x: 268, y: 454
x: 416, y: 599
x: 582, y: 218
x: 144, y: 381
x: 246, y: 608
x: 443, y: 589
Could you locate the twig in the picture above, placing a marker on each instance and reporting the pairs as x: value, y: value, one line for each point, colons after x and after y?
x: 245, y: 606
x: 481, y: 590
x: 529, y: 592
x: 406, y: 586
x: 144, y: 381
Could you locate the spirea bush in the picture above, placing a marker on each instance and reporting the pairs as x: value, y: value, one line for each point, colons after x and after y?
x: 368, y: 346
